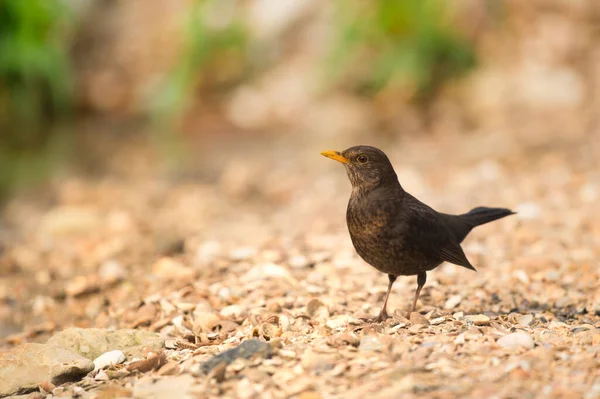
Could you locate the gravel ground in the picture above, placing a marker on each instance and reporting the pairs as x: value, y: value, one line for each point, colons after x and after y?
x: 260, y: 250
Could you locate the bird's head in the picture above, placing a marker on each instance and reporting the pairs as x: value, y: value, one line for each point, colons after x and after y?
x: 367, y: 167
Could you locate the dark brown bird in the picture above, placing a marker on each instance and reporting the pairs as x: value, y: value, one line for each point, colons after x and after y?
x: 395, y: 232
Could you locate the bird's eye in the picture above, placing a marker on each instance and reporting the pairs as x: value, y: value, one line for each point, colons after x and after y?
x: 362, y: 159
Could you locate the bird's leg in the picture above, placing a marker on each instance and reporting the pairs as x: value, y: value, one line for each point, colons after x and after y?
x: 383, y: 313
x: 421, y: 279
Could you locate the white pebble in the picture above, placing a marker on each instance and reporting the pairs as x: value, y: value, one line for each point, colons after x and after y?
x: 516, y: 340
x: 109, y: 359
x: 452, y: 302
x: 298, y: 261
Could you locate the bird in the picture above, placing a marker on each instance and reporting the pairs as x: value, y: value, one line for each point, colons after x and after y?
x: 395, y: 232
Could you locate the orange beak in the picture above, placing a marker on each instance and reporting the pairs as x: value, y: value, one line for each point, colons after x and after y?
x: 336, y: 156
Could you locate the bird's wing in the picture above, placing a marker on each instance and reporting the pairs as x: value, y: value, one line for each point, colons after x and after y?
x: 454, y: 254
x: 428, y: 234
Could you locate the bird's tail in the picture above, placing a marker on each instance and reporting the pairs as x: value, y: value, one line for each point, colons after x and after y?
x: 482, y: 215
x: 461, y: 225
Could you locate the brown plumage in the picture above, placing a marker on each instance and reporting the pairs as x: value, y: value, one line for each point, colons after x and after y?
x: 395, y: 232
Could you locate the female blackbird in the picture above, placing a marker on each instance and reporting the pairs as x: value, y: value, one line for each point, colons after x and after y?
x: 395, y: 232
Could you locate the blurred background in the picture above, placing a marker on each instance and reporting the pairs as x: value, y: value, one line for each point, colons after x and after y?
x: 136, y: 127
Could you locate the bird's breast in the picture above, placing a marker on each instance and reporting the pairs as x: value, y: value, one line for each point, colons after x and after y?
x: 369, y: 225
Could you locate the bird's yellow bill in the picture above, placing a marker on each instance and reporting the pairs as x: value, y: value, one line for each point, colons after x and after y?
x: 336, y: 156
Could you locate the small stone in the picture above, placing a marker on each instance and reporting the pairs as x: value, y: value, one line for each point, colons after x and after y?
x: 207, y: 253
x: 313, y: 306
x: 314, y: 361
x: 478, y: 319
x: 415, y: 328
x: 298, y: 262
x: 242, y: 253
x: 269, y: 270
x: 342, y: 339
x: 371, y: 343
x: 109, y: 359
x: 47, y: 387
x: 524, y: 320
x: 81, y: 285
x: 186, y: 306
x: 458, y: 315
x: 472, y: 334
x: 170, y: 269
x: 269, y: 330
x: 111, y: 272
x: 452, y: 302
x: 167, y: 306
x: 154, y: 361
x: 245, y: 350
x: 516, y: 340
x: 522, y: 276
x: 287, y: 354
x: 218, y: 373
x: 397, y: 327
x: 398, y: 317
x: 418, y: 318
x: 437, y: 320
x: 310, y: 395
x: 234, y: 312
x: 205, y: 321
x: 171, y: 387
x: 340, y: 321
x: 101, y: 376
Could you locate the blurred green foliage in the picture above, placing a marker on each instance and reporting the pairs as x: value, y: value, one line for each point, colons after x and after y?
x: 405, y: 44
x: 214, y: 57
x: 410, y: 44
x: 35, y: 89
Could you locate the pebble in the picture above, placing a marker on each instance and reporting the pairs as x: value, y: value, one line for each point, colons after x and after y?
x: 206, y: 321
x: 246, y: 350
x: 340, y: 321
x: 371, y: 343
x: 102, y: 376
x: 525, y: 320
x: 478, y: 319
x: 109, y: 359
x: 207, y: 252
x: 242, y: 253
x: 460, y: 339
x: 232, y: 311
x: 452, y: 302
x: 111, y: 272
x: 269, y: 270
x: 472, y: 334
x: 298, y: 262
x: 516, y: 340
x: 418, y: 318
x: 312, y: 360
x: 170, y: 269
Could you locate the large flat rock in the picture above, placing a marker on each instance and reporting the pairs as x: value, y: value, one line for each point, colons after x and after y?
x: 93, y: 342
x: 24, y: 368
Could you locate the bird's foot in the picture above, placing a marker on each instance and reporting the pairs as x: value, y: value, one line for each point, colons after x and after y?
x: 380, y: 318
